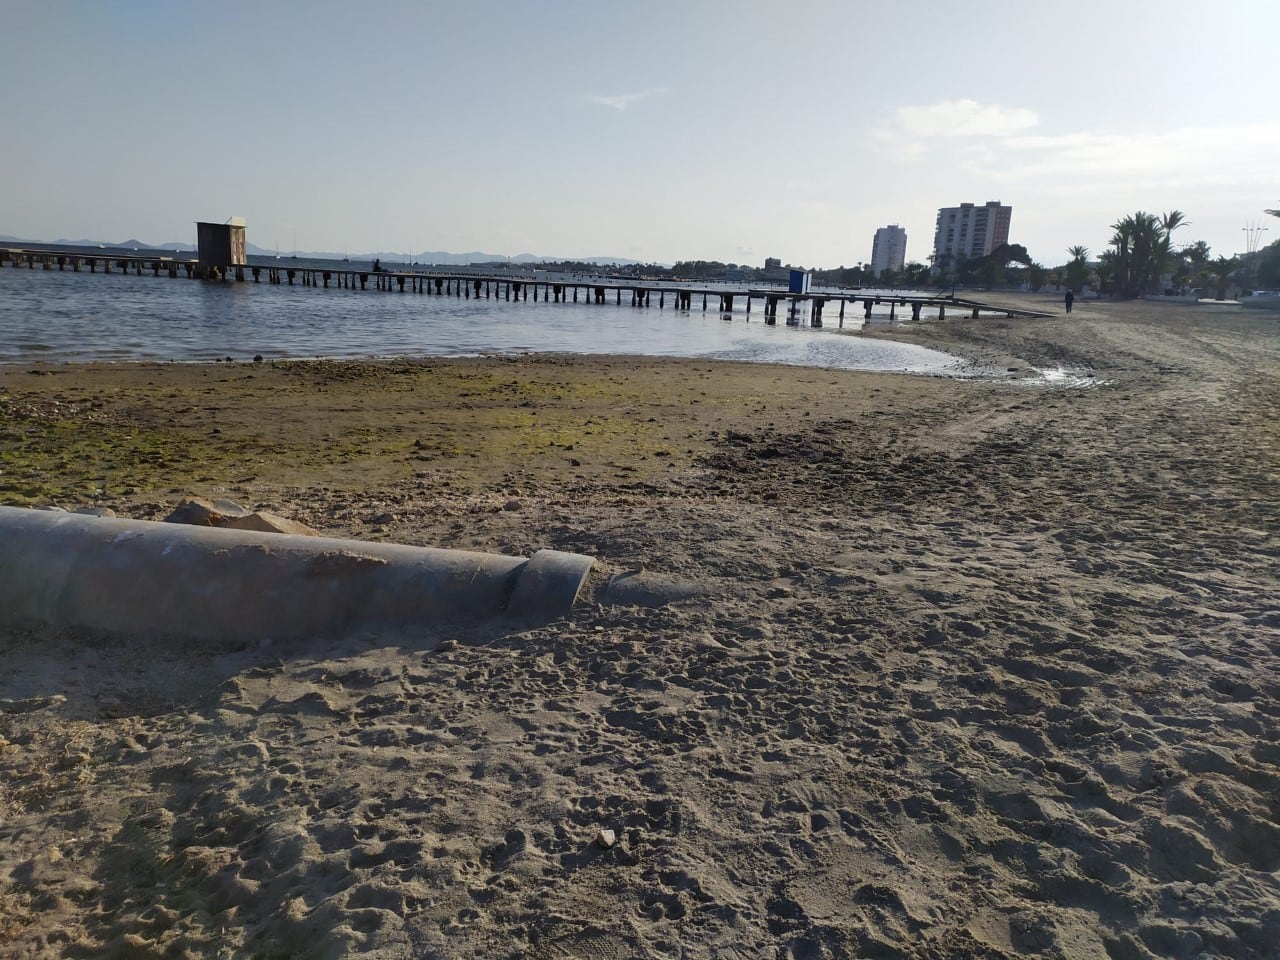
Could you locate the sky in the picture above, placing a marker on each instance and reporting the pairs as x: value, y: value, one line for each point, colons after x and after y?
x: 729, y: 130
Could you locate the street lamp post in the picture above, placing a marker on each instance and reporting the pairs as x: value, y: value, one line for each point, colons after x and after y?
x: 1253, y: 236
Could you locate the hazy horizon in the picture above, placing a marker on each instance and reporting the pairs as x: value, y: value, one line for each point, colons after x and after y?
x: 729, y: 131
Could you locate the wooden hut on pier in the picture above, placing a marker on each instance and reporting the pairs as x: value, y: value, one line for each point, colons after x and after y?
x: 221, y: 247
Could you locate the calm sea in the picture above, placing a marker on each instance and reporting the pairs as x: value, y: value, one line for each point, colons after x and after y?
x: 66, y: 316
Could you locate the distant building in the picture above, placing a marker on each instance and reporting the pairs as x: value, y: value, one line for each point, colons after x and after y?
x: 888, y: 250
x: 968, y: 231
x: 774, y: 271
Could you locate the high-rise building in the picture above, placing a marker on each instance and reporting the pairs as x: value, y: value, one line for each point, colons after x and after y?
x: 968, y: 231
x: 888, y: 250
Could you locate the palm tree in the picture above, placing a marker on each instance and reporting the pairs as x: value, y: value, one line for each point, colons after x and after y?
x: 1140, y: 243
x: 1121, y: 257
x: 1150, y: 247
x: 1174, y: 219
x: 1078, y: 269
x: 1035, y: 276
x: 1169, y: 222
x: 1197, y: 253
x: 1106, y: 271
x: 1190, y: 261
x: 1223, y: 268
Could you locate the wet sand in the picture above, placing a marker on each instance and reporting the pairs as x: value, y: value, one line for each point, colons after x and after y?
x: 976, y: 668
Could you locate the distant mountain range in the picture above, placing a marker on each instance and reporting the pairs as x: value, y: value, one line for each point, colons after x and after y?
x: 391, y: 256
x: 124, y: 244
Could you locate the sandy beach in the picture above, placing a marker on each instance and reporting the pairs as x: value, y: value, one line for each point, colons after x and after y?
x: 976, y: 667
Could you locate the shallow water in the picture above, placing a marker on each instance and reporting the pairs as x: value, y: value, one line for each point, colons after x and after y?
x: 66, y: 316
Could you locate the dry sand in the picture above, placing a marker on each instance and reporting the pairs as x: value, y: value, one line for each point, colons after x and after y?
x: 979, y: 668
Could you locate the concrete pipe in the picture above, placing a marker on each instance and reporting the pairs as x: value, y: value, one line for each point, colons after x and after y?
x: 205, y: 583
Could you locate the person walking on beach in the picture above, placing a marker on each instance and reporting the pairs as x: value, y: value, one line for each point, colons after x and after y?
x: 1071, y: 298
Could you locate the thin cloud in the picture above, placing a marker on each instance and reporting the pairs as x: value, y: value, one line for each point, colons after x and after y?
x: 1185, y: 155
x: 622, y: 101
x: 901, y: 148
x: 998, y: 143
x: 914, y: 130
x: 962, y: 118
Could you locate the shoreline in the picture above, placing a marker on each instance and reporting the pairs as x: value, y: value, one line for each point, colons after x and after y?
x: 966, y: 668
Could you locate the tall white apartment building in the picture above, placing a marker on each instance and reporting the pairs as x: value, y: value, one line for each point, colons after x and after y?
x: 888, y: 250
x: 968, y: 231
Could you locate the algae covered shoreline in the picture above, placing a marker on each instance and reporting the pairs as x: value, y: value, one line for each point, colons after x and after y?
x: 90, y: 433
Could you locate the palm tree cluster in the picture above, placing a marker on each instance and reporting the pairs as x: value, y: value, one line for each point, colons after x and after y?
x: 1141, y: 251
x: 1142, y: 255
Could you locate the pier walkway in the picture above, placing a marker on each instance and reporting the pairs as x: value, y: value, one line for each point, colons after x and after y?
x: 797, y: 308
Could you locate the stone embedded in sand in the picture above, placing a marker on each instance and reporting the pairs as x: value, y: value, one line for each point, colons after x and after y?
x: 606, y: 838
x: 199, y: 512
x: 265, y: 522
x: 230, y: 508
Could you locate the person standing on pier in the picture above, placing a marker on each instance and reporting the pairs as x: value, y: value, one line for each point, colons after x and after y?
x: 1071, y: 298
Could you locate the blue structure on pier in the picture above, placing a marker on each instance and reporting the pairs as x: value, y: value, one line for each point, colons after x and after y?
x: 798, y: 282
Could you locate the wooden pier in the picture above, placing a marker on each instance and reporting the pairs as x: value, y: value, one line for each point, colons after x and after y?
x: 799, y: 309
